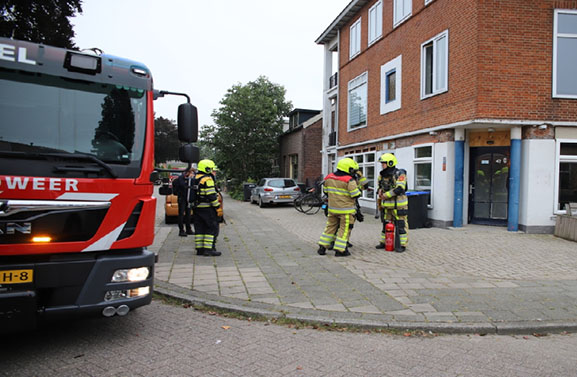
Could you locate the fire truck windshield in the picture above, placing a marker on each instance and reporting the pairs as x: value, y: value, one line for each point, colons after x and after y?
x: 45, y: 114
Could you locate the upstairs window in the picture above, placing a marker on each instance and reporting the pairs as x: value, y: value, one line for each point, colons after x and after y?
x: 391, y: 74
x: 376, y: 21
x: 402, y: 10
x: 565, y: 54
x: 357, y: 102
x: 435, y: 65
x: 355, y: 40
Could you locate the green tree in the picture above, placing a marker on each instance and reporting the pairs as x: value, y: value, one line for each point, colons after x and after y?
x: 248, y: 124
x: 39, y: 21
x: 166, y: 142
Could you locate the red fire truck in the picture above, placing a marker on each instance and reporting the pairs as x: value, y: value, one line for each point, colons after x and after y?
x: 76, y: 182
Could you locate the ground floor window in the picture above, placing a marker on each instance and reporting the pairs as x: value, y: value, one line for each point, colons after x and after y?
x: 423, y: 164
x: 366, y: 163
x: 567, y: 174
x: 294, y: 166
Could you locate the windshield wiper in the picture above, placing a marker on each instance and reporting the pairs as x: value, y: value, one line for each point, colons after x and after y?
x: 71, y: 156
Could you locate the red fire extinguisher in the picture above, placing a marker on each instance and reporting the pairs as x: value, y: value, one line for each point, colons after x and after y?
x: 390, y: 237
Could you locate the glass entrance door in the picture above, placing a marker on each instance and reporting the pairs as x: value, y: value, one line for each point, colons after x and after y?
x: 489, y: 185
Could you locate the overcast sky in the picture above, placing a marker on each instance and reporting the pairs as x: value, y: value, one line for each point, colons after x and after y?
x: 205, y: 47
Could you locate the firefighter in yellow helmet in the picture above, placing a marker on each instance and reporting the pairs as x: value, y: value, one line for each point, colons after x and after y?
x: 393, y: 200
x: 205, y: 205
x: 342, y: 190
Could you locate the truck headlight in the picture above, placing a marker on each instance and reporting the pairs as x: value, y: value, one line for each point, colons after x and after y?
x: 130, y: 275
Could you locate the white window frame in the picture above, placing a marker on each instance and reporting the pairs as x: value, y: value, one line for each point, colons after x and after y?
x: 558, y: 161
x: 395, y: 65
x: 363, y: 165
x: 407, y: 11
x: 445, y: 87
x: 556, y: 37
x: 422, y: 161
x: 362, y: 79
x: 428, y: 1
x: 375, y: 22
x: 355, y: 39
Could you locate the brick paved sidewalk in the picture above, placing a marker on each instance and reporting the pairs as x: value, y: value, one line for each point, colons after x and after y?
x: 471, y: 279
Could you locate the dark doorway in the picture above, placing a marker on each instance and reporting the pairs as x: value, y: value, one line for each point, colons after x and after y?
x: 489, y: 183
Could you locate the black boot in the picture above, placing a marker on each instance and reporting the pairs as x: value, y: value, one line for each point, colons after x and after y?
x: 349, y: 244
x: 189, y: 232
x: 343, y: 253
x: 380, y: 246
x: 182, y: 233
x: 322, y: 250
x: 211, y: 253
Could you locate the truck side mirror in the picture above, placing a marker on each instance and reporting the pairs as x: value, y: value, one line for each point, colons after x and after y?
x: 187, y: 123
x: 189, y: 153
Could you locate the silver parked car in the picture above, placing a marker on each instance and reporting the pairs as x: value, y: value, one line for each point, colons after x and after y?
x: 274, y: 191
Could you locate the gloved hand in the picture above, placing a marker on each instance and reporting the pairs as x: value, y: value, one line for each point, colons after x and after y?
x: 360, y: 217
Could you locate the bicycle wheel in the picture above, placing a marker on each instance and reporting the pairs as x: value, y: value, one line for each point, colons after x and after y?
x: 310, y: 204
x: 297, y: 203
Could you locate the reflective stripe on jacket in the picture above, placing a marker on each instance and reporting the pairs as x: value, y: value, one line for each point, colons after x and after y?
x: 395, y: 196
x: 342, y: 191
x: 207, y: 196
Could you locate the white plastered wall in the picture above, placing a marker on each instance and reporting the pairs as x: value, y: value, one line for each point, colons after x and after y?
x: 537, y: 191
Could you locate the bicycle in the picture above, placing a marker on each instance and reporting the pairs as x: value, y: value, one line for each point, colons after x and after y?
x: 310, y: 202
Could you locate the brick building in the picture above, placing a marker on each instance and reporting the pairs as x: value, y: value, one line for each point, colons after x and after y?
x: 476, y: 98
x: 300, y: 146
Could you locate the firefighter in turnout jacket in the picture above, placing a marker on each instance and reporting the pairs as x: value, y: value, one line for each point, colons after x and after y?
x: 393, y: 200
x: 342, y: 190
x: 205, y: 204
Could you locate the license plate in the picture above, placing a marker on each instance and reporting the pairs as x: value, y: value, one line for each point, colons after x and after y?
x: 16, y: 276
x: 285, y: 197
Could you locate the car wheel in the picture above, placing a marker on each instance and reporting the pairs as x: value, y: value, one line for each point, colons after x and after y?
x: 260, y: 202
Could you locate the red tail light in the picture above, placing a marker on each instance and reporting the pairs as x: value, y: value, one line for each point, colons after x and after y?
x: 297, y: 189
x: 268, y: 189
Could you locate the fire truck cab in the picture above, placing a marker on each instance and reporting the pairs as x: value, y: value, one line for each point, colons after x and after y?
x: 77, y: 209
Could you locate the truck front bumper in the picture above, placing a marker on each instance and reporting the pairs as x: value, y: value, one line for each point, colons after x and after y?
x: 66, y: 285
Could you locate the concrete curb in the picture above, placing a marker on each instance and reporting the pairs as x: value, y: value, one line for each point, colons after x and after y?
x: 319, y: 317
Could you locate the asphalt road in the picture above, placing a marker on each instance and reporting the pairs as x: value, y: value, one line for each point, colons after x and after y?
x: 170, y: 340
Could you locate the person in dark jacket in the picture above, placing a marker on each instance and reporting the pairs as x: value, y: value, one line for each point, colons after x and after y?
x: 181, y: 188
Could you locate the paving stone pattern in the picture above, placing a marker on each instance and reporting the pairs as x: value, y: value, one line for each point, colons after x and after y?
x: 462, y: 279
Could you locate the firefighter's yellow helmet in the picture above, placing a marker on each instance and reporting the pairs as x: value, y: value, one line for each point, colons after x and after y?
x: 206, y: 166
x: 389, y: 159
x: 347, y: 165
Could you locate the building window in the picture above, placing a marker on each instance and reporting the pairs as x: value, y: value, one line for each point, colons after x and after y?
x: 567, y: 180
x: 435, y: 65
x: 391, y: 74
x: 376, y: 21
x: 355, y: 39
x: 366, y: 163
x: 294, y: 166
x: 402, y: 10
x: 423, y: 163
x: 357, y: 102
x: 565, y: 54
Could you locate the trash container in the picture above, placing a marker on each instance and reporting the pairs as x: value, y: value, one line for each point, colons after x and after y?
x: 418, y: 201
x: 247, y: 188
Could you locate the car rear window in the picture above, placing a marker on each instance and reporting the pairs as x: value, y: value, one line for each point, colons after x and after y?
x: 281, y: 183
